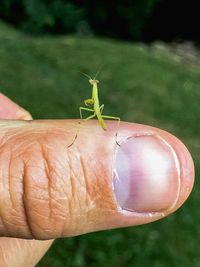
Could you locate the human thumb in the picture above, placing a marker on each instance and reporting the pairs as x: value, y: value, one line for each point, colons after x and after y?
x: 55, y: 185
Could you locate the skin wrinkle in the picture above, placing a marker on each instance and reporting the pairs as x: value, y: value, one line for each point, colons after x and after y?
x: 47, y: 172
x: 7, y: 137
x: 76, y: 203
x: 16, y: 135
x: 18, y: 213
x: 5, y: 233
x: 3, y: 220
x: 24, y: 201
x: 19, y: 179
x: 75, y: 180
x: 9, y: 181
x: 82, y: 183
x: 39, y: 155
x: 101, y: 184
x: 71, y: 193
x: 47, y: 232
x: 51, y: 172
x: 71, y: 179
x: 34, y: 209
x: 93, y: 191
x: 42, y: 229
x: 7, y: 177
x: 86, y: 184
x: 28, y: 221
x: 34, y: 205
x: 90, y: 203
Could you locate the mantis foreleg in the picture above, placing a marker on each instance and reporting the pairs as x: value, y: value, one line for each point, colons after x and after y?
x: 83, y: 108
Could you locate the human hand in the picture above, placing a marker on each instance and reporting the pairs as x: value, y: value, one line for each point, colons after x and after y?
x: 50, y: 190
x: 15, y: 252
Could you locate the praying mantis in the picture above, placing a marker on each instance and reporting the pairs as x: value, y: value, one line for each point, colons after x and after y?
x: 92, y: 105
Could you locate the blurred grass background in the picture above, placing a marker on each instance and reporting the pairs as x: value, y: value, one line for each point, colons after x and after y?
x: 139, y: 85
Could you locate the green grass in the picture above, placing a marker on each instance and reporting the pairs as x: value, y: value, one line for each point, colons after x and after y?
x: 41, y: 74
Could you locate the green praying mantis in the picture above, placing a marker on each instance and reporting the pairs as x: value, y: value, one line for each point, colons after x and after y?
x: 92, y: 105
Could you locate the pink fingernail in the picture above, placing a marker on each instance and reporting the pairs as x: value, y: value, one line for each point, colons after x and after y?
x: 146, y: 175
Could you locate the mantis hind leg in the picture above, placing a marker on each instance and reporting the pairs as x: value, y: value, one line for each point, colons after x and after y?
x: 101, y: 108
x: 90, y: 117
x: 87, y: 109
x: 114, y: 118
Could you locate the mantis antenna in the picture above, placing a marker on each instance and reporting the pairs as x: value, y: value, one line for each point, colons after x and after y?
x: 97, y: 73
x: 86, y: 75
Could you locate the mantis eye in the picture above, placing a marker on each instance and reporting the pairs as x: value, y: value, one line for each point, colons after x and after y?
x: 91, y: 81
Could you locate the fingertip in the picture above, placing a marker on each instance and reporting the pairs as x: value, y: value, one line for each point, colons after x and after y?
x: 10, y: 110
x: 157, y: 173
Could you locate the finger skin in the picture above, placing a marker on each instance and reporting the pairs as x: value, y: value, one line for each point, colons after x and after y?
x: 52, y: 190
x: 13, y: 251
x: 16, y: 252
x: 10, y: 110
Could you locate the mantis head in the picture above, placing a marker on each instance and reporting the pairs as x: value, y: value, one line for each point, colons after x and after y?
x: 93, y: 81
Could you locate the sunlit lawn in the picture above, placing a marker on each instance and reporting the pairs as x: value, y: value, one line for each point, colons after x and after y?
x: 42, y: 74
